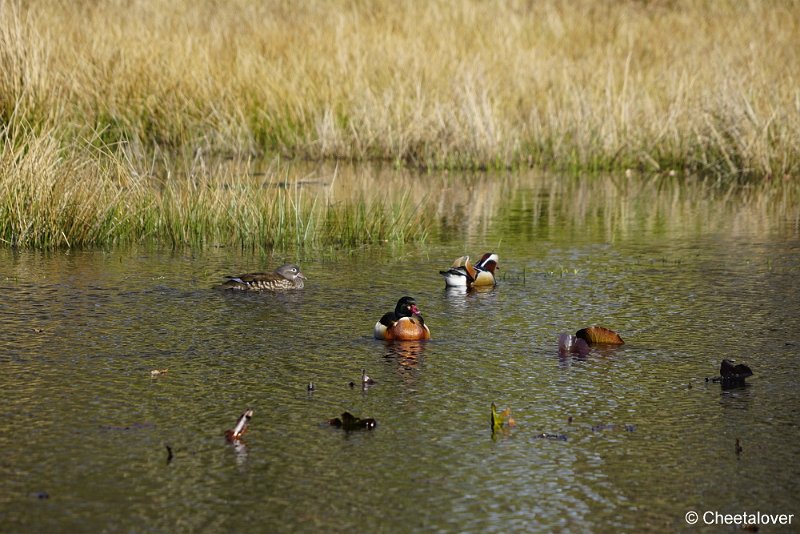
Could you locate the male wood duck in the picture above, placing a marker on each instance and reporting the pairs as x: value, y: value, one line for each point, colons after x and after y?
x: 403, y: 324
x: 285, y: 277
x: 463, y: 274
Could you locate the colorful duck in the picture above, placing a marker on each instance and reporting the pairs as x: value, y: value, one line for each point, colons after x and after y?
x: 285, y: 277
x: 463, y: 274
x: 403, y: 324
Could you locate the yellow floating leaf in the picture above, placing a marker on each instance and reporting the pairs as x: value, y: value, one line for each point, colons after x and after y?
x: 599, y: 334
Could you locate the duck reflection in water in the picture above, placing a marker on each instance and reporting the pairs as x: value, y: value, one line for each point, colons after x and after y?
x: 407, y: 354
x: 461, y: 299
x: 240, y: 449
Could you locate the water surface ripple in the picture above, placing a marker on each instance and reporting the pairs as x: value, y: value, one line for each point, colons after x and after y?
x: 626, y: 438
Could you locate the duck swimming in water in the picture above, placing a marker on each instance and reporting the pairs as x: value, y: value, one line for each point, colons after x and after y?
x: 464, y: 274
x: 403, y: 324
x: 285, y: 277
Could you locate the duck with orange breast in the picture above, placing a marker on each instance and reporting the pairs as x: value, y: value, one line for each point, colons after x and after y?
x: 403, y: 324
x: 464, y: 274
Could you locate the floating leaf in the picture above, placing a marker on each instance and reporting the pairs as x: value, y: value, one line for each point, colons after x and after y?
x: 572, y: 344
x: 501, y: 421
x: 599, y: 335
x: 348, y: 422
x: 497, y: 423
x: 240, y: 429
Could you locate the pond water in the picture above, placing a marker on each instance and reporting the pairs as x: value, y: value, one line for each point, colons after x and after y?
x: 640, y: 437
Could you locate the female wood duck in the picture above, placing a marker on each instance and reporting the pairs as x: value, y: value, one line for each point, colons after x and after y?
x: 403, y: 324
x: 463, y: 274
x: 285, y: 277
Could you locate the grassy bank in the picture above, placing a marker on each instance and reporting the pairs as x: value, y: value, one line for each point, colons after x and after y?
x: 702, y: 86
x: 117, y: 118
x: 52, y: 196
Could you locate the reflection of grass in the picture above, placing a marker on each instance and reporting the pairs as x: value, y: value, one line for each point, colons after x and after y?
x: 604, y: 209
x: 707, y: 87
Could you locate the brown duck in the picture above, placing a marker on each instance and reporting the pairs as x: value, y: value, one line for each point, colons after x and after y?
x: 284, y: 278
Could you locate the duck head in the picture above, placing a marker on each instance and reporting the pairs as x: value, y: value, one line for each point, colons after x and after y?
x: 406, y: 307
x: 488, y: 262
x: 291, y: 272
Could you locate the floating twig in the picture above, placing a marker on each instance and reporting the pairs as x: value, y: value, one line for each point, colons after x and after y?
x: 240, y: 429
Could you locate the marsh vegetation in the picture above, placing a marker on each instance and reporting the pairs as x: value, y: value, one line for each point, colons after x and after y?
x: 152, y: 121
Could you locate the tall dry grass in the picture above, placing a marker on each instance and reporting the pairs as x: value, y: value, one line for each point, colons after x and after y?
x: 709, y: 86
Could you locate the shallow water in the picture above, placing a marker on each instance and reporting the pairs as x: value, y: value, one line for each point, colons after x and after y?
x: 85, y: 428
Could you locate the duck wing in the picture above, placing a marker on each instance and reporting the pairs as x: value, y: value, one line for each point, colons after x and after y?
x: 259, y: 281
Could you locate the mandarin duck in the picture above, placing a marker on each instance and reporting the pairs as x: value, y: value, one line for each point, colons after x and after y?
x: 403, y: 324
x: 464, y: 274
x: 285, y: 277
